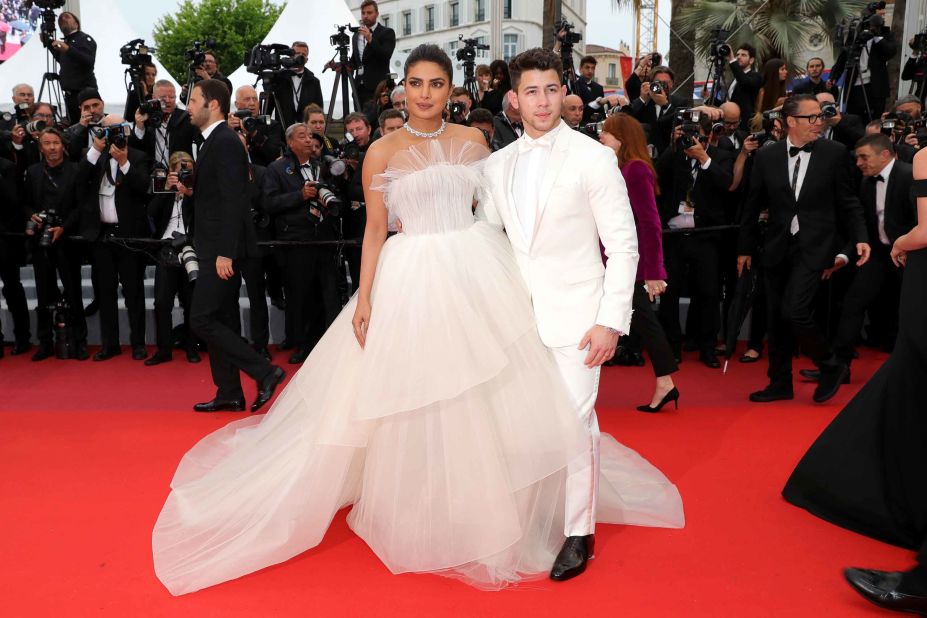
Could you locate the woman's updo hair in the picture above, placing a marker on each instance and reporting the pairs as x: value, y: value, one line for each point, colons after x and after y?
x: 429, y: 52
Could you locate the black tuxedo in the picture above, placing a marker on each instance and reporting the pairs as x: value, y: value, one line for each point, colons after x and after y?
x: 793, y: 264
x: 310, y: 91
x: 12, y: 219
x: 113, y: 264
x: 848, y: 131
x: 878, y: 281
x: 266, y: 145
x: 877, y: 90
x: 253, y: 269
x: 806, y: 86
x: 504, y: 131
x: 745, y: 91
x: 170, y: 278
x: 588, y: 92
x: 915, y: 69
x: 222, y: 227
x: 659, y: 128
x: 181, y: 135
x: 373, y: 66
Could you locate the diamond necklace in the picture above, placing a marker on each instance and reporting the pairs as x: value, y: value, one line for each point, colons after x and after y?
x: 418, y: 133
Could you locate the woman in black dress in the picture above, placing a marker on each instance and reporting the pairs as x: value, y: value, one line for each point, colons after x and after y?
x: 868, y: 470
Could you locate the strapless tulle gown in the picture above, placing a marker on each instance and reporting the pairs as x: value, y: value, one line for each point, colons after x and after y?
x: 449, y: 433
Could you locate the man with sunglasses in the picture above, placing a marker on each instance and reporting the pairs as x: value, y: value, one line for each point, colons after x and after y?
x: 804, y: 183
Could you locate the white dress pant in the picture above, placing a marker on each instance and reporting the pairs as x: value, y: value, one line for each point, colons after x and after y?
x: 582, y: 486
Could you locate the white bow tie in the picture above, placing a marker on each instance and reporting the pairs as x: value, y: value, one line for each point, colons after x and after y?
x: 526, y: 144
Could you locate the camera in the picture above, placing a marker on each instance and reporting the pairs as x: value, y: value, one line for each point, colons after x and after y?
x: 136, y: 54
x: 592, y: 129
x: 457, y: 110
x: 186, y: 255
x: 919, y: 44
x: 656, y: 59
x: 688, y: 119
x: 159, y: 179
x: 336, y: 165
x: 718, y: 47
x: 20, y: 116
x: 829, y: 110
x: 657, y: 87
x: 155, y: 111
x: 48, y: 25
x: 326, y: 204
x: 271, y: 59
x: 341, y: 38
x: 250, y: 122
x: 49, y: 219
x: 467, y: 53
x: 64, y: 340
x: 570, y: 38
x: 49, y: 5
x: 197, y: 54
x: 115, y: 134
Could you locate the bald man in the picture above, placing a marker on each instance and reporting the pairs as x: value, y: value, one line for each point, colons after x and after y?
x: 730, y: 116
x: 265, y: 139
x: 844, y: 128
x: 573, y: 110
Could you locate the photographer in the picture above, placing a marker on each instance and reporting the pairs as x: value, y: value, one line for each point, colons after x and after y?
x: 815, y: 84
x: 23, y: 107
x: 460, y: 105
x: 844, y: 128
x: 915, y: 67
x: 12, y: 219
x: 292, y: 196
x: 508, y: 126
x: 655, y: 108
x: 171, y: 212
x: 743, y: 84
x: 869, y: 90
x: 114, y: 183
x: 25, y: 138
x: 265, y: 138
x: 77, y: 136
x: 314, y: 118
x: 76, y: 54
x: 208, y: 69
x: 355, y: 218
x: 481, y: 118
x: 147, y: 90
x: 50, y: 199
x: 389, y: 121
x: 586, y: 87
x: 373, y: 46
x: 170, y: 133
x: 398, y: 99
x: 646, y: 64
x: 378, y: 103
x: 572, y: 110
x: 694, y: 178
x: 295, y: 88
x: 494, y: 100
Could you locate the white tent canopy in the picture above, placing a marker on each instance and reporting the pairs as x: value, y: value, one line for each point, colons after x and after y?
x: 101, y: 19
x: 312, y: 21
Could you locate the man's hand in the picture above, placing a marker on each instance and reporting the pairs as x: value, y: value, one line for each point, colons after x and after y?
x: 862, y: 250
x: 644, y: 66
x: 750, y: 145
x: 56, y: 233
x: 60, y: 45
x: 310, y: 191
x: 224, y: 267
x: 201, y: 72
x: 645, y: 92
x: 712, y: 112
x: 99, y: 144
x: 365, y: 32
x: 140, y: 120
x: 234, y: 122
x: 617, y: 100
x: 743, y: 262
x: 697, y: 152
x: 18, y: 135
x: 121, y: 155
x: 839, y: 262
x: 601, y: 342
x: 911, y: 140
x: 86, y: 118
x: 659, y: 98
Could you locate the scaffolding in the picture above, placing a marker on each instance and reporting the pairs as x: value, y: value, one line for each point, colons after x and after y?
x: 645, y: 23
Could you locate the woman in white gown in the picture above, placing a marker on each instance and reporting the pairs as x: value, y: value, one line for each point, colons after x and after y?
x: 445, y: 425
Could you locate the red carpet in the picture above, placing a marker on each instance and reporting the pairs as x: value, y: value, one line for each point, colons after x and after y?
x: 87, y: 451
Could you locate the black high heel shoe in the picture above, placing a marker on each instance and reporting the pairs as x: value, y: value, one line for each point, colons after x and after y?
x: 673, y: 396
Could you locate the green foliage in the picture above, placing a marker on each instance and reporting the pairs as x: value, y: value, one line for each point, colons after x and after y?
x: 235, y: 25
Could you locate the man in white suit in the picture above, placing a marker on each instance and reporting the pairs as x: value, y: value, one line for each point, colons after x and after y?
x: 558, y: 193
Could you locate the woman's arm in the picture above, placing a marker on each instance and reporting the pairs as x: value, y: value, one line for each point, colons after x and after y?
x: 917, y: 237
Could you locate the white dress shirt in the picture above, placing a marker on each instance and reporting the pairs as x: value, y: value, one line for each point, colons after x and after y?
x: 175, y: 224
x: 530, y: 166
x: 361, y: 46
x: 686, y: 217
x: 804, y: 158
x: 208, y: 130
x: 881, y: 189
x: 107, y: 190
x: 162, y: 151
x: 864, y: 77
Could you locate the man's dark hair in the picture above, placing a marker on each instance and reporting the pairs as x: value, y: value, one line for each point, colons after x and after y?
x: 76, y: 18
x: 54, y: 131
x: 462, y: 92
x: 355, y: 116
x: 215, y: 90
x: 387, y: 114
x: 750, y: 49
x: 662, y: 69
x: 480, y: 115
x: 588, y: 60
x: 813, y: 58
x: 793, y: 103
x: 878, y: 142
x: 429, y: 52
x: 372, y: 3
x: 537, y: 59
x: 318, y: 137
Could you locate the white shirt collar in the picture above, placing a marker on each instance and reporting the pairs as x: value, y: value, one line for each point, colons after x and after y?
x: 547, y: 139
x: 208, y: 130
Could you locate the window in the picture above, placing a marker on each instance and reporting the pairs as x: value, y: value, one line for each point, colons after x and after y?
x: 509, y: 46
x: 455, y: 14
x: 406, y: 23
x: 507, y: 9
x: 429, y: 18
x: 385, y: 20
x: 612, y: 70
x: 482, y: 53
x: 480, y: 10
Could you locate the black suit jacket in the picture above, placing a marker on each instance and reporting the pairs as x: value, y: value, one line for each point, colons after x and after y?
x: 12, y: 214
x: 131, y: 195
x: 377, y: 54
x: 848, y: 131
x: 161, y: 207
x: 181, y: 135
x: 266, y: 145
x: 222, y: 218
x: 879, y: 55
x: 915, y: 69
x: 674, y: 170
x: 900, y: 204
x: 66, y: 202
x: 745, y: 92
x: 503, y: 133
x: 659, y: 129
x: 588, y: 92
x: 827, y: 203
x: 310, y: 91
x: 283, y: 199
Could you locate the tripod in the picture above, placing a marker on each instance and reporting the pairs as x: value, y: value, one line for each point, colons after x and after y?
x: 344, y: 77
x: 852, y: 72
x: 569, y: 71
x: 51, y: 79
x: 714, y: 74
x: 470, y: 80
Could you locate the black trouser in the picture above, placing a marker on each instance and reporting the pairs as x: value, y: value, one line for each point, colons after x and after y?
x: 13, y: 292
x: 863, y: 104
x: 215, y: 318
x: 759, y: 316
x: 692, y: 260
x: 114, y: 265
x: 61, y: 260
x: 252, y: 271
x: 310, y: 281
x: 876, y: 280
x: 72, y: 105
x: 646, y: 327
x: 170, y: 282
x: 790, y: 289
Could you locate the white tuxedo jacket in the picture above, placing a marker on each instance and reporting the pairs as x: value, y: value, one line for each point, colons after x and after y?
x: 582, y: 199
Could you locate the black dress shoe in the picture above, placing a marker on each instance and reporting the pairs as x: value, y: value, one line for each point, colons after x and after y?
x: 829, y: 383
x: 45, y: 350
x: 92, y: 308
x: 285, y: 345
x: 20, y: 347
x: 299, y: 357
x: 161, y: 356
x: 573, y: 556
x: 139, y: 352
x: 80, y: 351
x: 709, y: 359
x: 220, y: 405
x: 885, y: 589
x: 815, y: 375
x: 772, y: 393
x: 263, y: 351
x: 193, y: 356
x: 267, y: 386
x: 107, y: 353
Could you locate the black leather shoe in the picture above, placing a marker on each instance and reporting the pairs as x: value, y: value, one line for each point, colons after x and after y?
x: 829, y: 383
x: 263, y: 351
x: 772, y: 393
x: 20, y: 347
x: 80, y: 351
x: 161, y: 356
x: 815, y: 375
x: 45, y: 350
x: 92, y: 308
x: 267, y: 386
x: 285, y: 345
x: 709, y: 359
x: 139, y: 352
x: 220, y: 405
x: 300, y: 356
x: 107, y: 353
x: 573, y: 556
x: 884, y: 588
x: 193, y: 356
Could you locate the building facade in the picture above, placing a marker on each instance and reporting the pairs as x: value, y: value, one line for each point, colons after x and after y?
x: 608, y: 68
